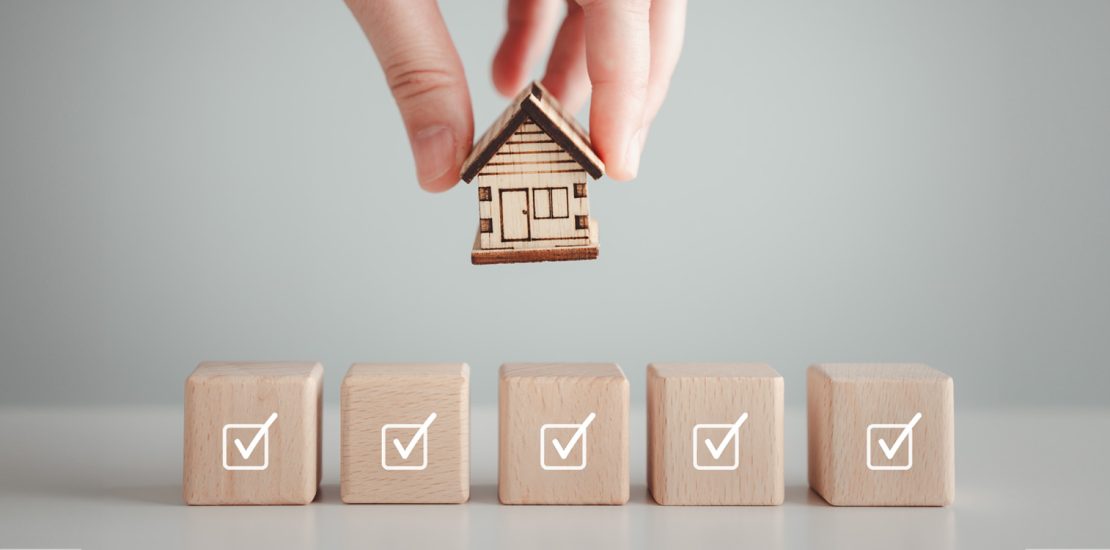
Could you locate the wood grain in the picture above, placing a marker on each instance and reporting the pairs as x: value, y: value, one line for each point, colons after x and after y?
x: 518, y: 255
x: 528, y: 165
x: 845, y: 399
x: 221, y: 393
x: 683, y: 395
x: 513, y: 176
x: 535, y: 104
x: 532, y: 395
x: 375, y: 395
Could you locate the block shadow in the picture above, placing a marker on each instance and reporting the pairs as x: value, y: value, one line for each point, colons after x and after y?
x: 486, y: 493
x: 804, y: 495
x: 159, y: 495
x: 480, y: 494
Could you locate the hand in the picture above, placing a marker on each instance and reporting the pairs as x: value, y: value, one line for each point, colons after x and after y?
x: 623, y: 51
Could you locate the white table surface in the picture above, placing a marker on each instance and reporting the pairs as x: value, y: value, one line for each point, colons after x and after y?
x: 96, y: 478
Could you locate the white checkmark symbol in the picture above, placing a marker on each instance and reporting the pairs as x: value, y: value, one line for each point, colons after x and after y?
x: 733, y: 431
x: 564, y: 452
x: 891, y: 450
x: 249, y: 449
x: 406, y: 450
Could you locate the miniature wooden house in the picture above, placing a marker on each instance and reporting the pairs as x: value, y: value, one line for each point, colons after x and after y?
x: 531, y: 167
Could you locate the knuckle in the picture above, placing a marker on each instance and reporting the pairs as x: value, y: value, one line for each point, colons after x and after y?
x: 410, y: 80
x: 630, y: 8
x: 631, y: 84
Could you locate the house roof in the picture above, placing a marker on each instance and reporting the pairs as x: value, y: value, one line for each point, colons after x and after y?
x: 535, y: 103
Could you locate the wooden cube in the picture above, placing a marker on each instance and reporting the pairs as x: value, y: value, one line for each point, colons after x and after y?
x: 405, y: 434
x: 563, y: 434
x: 881, y: 434
x: 252, y: 433
x: 715, y: 434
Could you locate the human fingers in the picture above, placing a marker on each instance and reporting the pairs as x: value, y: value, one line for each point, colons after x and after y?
x: 427, y: 80
x: 566, y: 75
x: 530, y: 24
x: 618, y: 57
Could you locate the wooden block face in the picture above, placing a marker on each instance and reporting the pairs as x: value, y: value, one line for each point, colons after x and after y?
x: 252, y: 433
x: 563, y: 434
x: 738, y: 409
x: 881, y: 434
x: 405, y: 435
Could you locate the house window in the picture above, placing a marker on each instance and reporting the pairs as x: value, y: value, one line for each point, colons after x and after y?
x: 581, y: 222
x: 484, y: 194
x: 550, y: 203
x: 485, y: 225
x: 579, y: 190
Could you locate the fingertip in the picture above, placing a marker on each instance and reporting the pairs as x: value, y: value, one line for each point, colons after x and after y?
x: 620, y: 172
x: 622, y: 162
x: 530, y: 23
x: 632, y: 154
x: 506, y: 84
x: 617, y: 139
x: 436, y: 153
x: 566, y: 75
x: 439, y: 185
x: 507, y: 68
x: 572, y: 90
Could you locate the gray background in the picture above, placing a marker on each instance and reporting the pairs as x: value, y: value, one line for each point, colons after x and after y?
x: 182, y: 181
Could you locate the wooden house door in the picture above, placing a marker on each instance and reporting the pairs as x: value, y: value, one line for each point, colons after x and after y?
x: 514, y: 215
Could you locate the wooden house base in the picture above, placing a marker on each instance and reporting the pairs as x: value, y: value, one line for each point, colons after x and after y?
x: 480, y: 256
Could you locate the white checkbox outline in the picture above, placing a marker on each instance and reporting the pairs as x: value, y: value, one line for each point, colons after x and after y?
x: 543, y: 448
x: 889, y: 468
x: 265, y: 428
x: 423, y: 437
x: 580, y: 432
x: 907, y: 432
x: 419, y: 438
x: 731, y: 439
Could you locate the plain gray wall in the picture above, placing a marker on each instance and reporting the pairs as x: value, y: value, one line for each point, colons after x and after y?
x: 895, y: 181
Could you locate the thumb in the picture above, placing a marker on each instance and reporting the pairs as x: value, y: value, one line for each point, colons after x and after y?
x: 426, y: 77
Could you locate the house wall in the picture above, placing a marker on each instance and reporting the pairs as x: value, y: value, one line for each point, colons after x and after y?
x: 530, y: 161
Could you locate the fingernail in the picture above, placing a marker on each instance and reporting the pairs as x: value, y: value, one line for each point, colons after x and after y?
x: 632, y: 153
x: 433, y: 150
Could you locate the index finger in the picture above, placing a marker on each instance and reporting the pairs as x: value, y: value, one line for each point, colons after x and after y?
x: 618, y: 59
